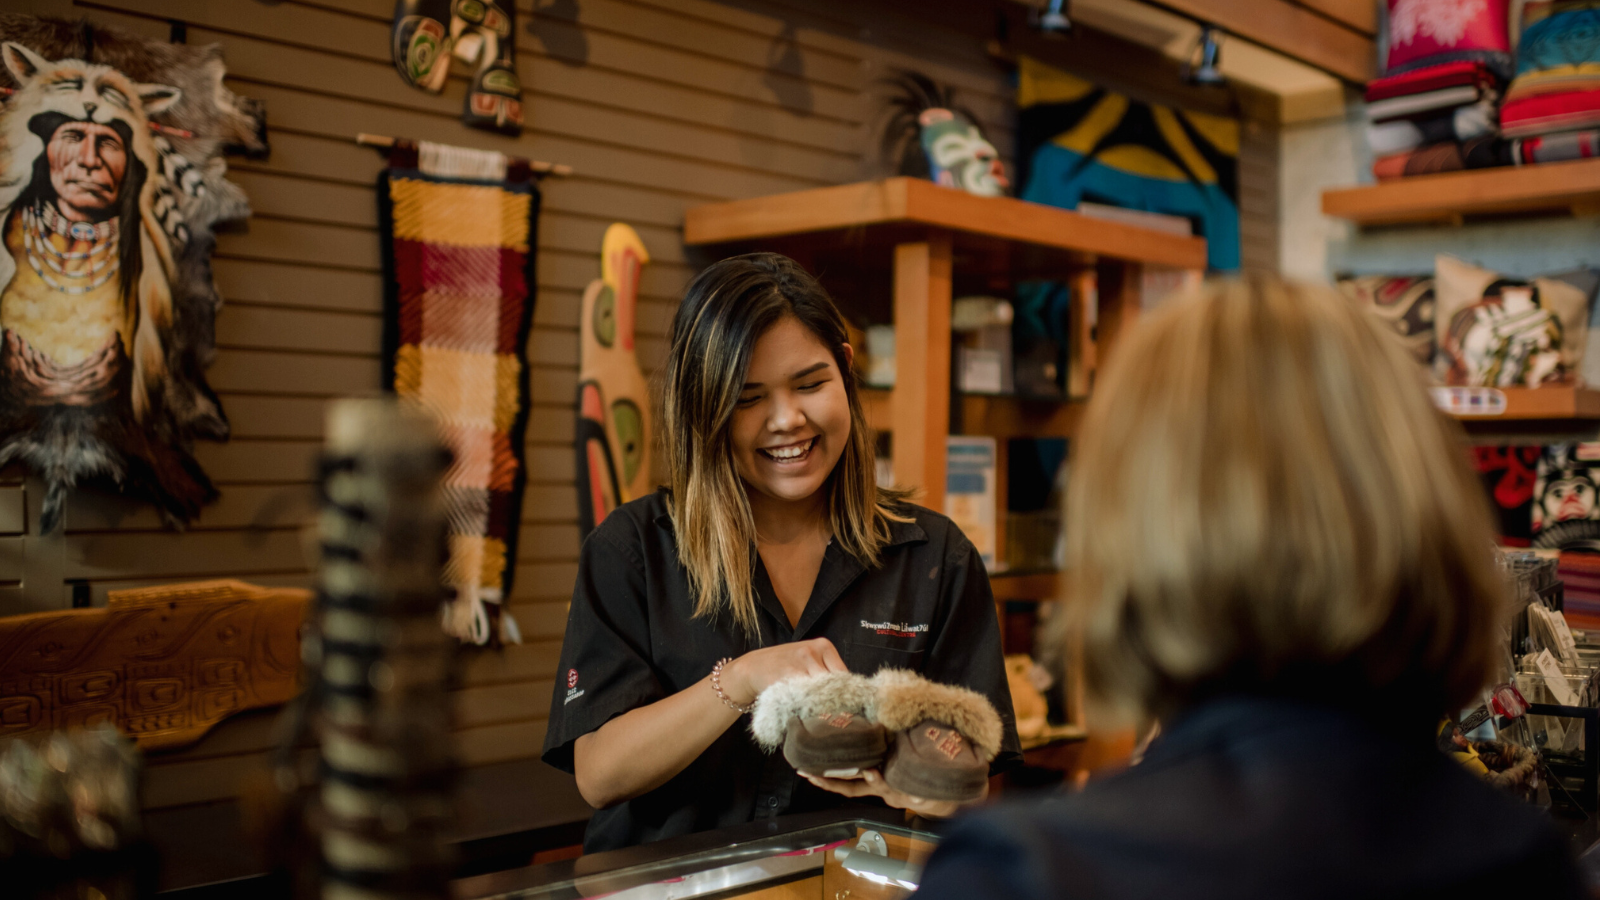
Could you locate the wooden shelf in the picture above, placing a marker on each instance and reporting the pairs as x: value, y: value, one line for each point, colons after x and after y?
x: 1025, y: 586
x: 1564, y: 188
x: 1543, y: 404
x: 978, y: 224
x: 1000, y: 417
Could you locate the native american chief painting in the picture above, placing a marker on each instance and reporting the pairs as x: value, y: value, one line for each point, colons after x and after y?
x: 106, y: 298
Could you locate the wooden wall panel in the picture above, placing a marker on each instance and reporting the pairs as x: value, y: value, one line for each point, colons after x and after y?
x: 660, y: 105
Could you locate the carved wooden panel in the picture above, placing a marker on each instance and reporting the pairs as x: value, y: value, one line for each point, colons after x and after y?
x: 163, y: 663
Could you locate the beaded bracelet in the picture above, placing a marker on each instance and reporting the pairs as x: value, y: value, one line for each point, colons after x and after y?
x: 716, y: 685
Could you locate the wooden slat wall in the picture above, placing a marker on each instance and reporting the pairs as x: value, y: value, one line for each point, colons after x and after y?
x: 659, y: 104
x: 1258, y: 197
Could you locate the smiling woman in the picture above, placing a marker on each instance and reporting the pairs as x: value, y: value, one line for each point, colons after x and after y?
x: 774, y: 551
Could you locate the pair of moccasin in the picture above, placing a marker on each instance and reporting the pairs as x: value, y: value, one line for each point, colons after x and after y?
x: 932, y: 741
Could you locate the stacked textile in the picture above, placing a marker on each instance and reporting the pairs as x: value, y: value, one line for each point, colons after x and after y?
x: 1552, y: 108
x: 1434, y: 110
x: 1581, y: 574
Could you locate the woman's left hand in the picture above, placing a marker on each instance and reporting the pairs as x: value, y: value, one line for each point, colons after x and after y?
x: 871, y: 784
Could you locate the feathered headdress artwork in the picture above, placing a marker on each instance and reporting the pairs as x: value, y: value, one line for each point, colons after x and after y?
x: 111, y: 183
x: 927, y: 135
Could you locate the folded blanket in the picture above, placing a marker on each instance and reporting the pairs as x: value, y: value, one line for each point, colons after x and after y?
x: 1549, y: 113
x: 1427, y: 102
x: 1556, y: 147
x: 1458, y: 124
x: 1579, y: 77
x: 1449, y: 156
x: 1560, y: 49
x: 1471, y: 73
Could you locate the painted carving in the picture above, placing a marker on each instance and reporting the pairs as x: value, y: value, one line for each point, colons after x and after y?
x: 929, y: 136
x: 613, y: 435
x: 480, y: 33
x: 163, y: 664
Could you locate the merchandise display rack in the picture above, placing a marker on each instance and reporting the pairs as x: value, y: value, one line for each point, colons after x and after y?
x: 920, y: 244
x: 1451, y: 197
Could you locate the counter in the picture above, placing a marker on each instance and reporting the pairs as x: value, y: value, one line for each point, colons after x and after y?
x: 836, y: 855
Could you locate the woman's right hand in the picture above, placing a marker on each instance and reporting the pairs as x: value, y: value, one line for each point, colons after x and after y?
x: 746, y: 677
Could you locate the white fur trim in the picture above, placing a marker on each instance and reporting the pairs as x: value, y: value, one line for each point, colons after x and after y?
x: 814, y: 695
x: 905, y: 699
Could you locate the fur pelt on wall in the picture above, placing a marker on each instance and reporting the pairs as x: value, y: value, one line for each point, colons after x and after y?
x: 113, y: 241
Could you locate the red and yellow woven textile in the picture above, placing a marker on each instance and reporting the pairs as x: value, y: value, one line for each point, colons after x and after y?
x: 459, y: 303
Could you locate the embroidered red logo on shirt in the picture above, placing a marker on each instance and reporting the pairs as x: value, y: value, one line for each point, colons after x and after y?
x: 946, y: 742
x: 572, y: 678
x: 840, y: 720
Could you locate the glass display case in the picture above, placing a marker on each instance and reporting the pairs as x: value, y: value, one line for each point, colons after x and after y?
x: 838, y: 855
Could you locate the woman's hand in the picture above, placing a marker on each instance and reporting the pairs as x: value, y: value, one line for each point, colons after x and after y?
x: 746, y: 677
x: 871, y: 784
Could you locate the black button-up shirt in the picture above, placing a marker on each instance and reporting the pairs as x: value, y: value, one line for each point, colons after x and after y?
x: 632, y: 639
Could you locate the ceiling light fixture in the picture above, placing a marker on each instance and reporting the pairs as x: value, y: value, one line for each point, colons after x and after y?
x: 1207, y: 49
x: 1053, y: 18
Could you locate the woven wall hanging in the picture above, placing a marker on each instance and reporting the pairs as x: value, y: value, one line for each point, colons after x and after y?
x: 459, y: 231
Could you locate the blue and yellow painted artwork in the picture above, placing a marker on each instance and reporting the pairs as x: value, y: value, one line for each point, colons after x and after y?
x: 1078, y: 142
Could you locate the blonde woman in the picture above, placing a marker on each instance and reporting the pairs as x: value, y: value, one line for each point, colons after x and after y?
x: 773, y: 554
x: 1278, y: 550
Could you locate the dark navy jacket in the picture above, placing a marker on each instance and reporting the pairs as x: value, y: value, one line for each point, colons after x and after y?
x: 1256, y: 798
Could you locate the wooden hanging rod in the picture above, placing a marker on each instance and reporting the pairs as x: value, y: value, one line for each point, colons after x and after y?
x: 560, y: 170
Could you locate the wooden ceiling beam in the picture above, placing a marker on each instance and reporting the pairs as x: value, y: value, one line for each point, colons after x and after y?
x: 1143, y: 73
x: 1362, y: 15
x: 1290, y: 29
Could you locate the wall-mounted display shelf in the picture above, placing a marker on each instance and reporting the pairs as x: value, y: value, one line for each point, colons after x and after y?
x: 996, y: 415
x: 1561, y: 188
x: 1518, y: 404
x: 1025, y: 586
x: 896, y: 206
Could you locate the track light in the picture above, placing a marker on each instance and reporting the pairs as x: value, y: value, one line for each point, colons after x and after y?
x: 1053, y: 19
x: 1207, y: 49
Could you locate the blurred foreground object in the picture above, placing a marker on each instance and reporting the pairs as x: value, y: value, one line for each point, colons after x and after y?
x: 382, y: 701
x: 69, y: 816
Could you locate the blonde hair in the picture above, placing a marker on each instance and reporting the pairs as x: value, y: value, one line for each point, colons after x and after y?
x: 1264, y: 499
x: 724, y: 311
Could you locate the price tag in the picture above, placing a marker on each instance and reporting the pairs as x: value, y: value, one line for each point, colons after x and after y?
x: 1553, y: 679
x: 1469, y: 401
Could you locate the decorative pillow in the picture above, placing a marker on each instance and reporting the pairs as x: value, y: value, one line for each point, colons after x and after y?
x: 1429, y: 32
x: 1403, y: 302
x: 1505, y: 332
x: 1565, y: 514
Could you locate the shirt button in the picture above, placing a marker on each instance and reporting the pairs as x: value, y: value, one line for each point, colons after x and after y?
x: 772, y: 802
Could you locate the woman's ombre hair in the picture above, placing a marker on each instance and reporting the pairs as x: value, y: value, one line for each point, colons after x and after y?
x: 1264, y: 500
x: 724, y: 311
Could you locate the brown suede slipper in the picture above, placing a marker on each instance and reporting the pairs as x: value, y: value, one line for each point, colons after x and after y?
x: 837, y: 746
x: 822, y: 723
x: 934, y: 762
x: 944, y: 736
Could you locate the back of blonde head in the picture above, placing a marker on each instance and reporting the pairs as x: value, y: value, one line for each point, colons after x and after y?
x: 1264, y: 499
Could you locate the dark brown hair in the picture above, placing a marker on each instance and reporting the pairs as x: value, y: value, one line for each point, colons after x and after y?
x: 724, y: 311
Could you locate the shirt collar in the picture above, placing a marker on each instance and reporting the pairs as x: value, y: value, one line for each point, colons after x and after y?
x: 899, y: 532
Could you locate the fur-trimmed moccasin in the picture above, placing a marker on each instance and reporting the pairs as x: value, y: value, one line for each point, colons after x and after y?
x: 943, y: 736
x: 822, y: 723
